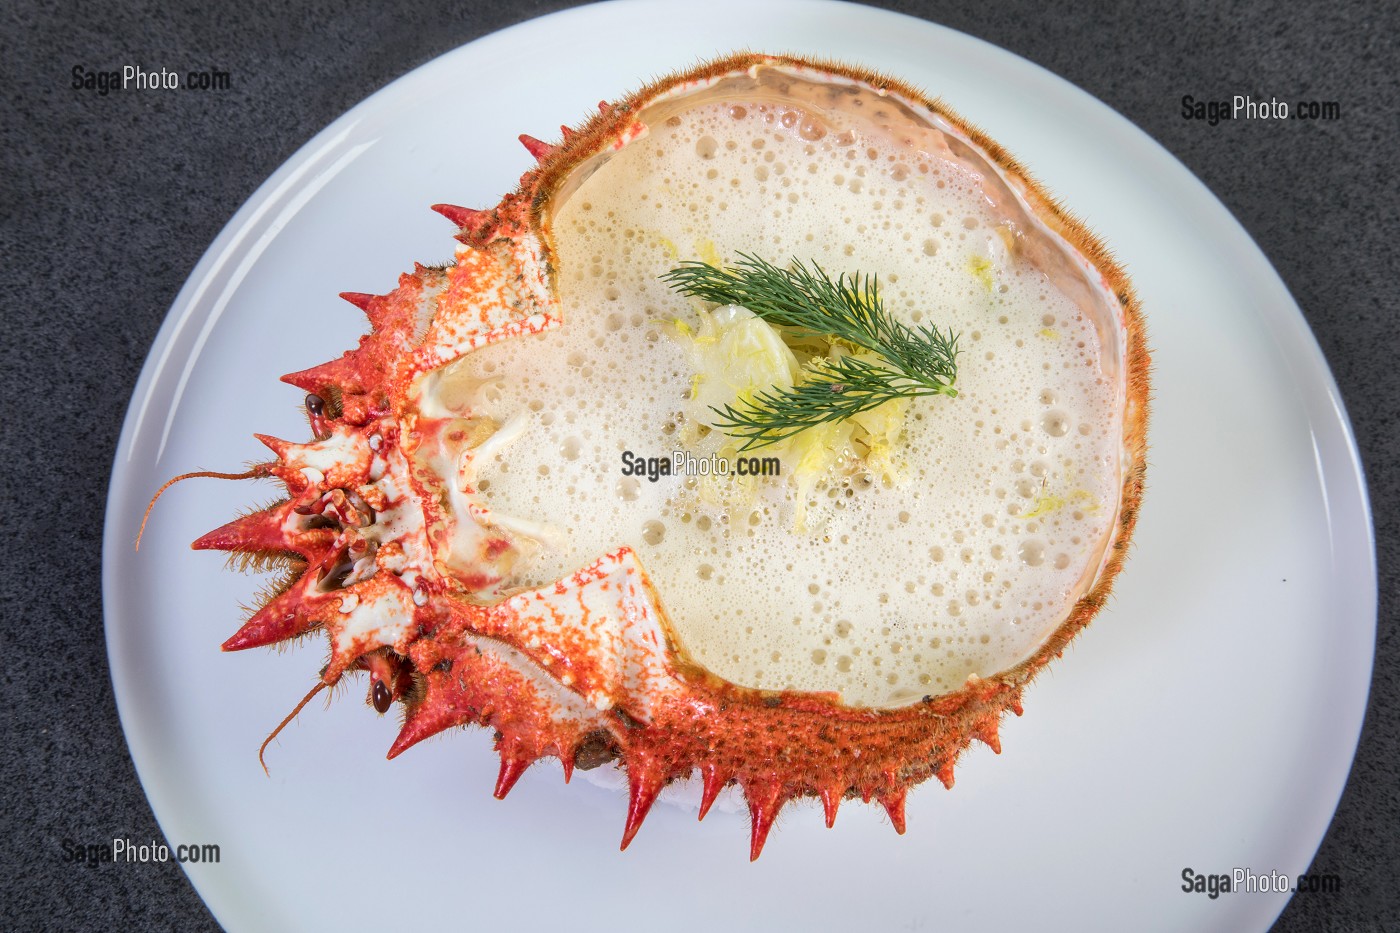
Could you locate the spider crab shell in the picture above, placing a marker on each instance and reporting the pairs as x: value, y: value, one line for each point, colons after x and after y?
x: 397, y: 560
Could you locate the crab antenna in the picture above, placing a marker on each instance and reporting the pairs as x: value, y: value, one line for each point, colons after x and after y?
x: 254, y: 473
x: 320, y: 685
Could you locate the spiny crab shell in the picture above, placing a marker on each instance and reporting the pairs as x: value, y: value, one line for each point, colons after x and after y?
x: 394, y: 556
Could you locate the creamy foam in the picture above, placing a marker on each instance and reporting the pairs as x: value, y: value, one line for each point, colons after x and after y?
x: 893, y: 590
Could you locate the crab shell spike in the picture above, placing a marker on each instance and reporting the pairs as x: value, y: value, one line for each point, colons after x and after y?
x: 465, y: 217
x: 511, y: 769
x: 422, y: 722
x: 713, y: 783
x: 360, y: 300
x: 893, y: 803
x: 986, y: 731
x: 644, y: 786
x: 278, y: 446
x: 249, y: 534
x: 447, y: 700
x: 540, y: 149
x: 565, y: 132
x: 339, y: 372
x: 831, y: 801
x: 945, y: 773
x: 280, y: 620
x: 766, y: 799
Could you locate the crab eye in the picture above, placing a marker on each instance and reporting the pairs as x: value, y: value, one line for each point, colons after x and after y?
x: 380, y: 697
x: 315, y: 405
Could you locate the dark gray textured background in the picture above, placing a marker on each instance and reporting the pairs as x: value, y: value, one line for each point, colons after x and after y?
x: 106, y: 204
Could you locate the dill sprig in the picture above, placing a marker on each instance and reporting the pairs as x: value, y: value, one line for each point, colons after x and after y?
x: 918, y: 361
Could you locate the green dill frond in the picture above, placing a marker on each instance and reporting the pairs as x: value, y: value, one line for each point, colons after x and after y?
x: 808, y: 303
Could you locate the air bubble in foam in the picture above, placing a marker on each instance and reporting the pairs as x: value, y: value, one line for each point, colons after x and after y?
x: 653, y: 532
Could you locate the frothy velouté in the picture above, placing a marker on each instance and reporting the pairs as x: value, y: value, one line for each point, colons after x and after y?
x: 958, y: 549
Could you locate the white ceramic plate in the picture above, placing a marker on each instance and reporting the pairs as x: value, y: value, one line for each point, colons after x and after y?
x: 1206, y: 720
